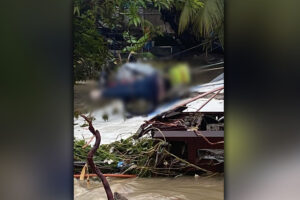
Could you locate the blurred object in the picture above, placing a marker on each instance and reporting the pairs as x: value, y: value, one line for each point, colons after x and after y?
x: 142, y: 88
x: 131, y: 71
x: 120, y: 164
x: 179, y: 74
x: 148, y: 45
x: 115, y: 129
x: 82, y: 174
x: 95, y: 94
x: 137, y: 85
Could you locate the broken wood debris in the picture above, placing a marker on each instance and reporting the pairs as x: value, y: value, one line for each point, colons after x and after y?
x: 192, y: 136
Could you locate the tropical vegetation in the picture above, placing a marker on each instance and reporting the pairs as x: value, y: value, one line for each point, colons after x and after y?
x: 202, y: 18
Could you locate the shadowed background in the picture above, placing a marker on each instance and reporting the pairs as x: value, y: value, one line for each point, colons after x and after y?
x: 262, y: 100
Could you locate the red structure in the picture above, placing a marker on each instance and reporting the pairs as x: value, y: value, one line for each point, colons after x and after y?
x: 197, y: 137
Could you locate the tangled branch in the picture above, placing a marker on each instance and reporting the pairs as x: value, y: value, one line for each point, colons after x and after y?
x: 91, y: 163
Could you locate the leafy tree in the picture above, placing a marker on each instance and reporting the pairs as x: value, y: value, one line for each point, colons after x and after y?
x: 203, y: 18
x: 91, y: 47
x: 90, y: 50
x: 128, y: 11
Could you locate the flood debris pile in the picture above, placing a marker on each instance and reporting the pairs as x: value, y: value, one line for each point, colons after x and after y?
x: 115, y: 157
x: 195, y: 137
x: 144, y: 157
x: 172, y: 143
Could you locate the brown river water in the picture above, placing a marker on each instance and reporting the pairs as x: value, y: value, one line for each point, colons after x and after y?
x: 180, y: 188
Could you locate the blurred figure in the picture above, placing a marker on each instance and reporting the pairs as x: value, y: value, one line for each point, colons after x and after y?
x: 141, y: 87
x: 179, y: 75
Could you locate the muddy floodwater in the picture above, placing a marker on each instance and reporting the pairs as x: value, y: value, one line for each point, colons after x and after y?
x: 181, y: 188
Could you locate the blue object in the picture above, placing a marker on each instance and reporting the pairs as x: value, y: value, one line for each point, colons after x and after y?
x: 146, y: 88
x: 120, y: 164
x: 148, y: 45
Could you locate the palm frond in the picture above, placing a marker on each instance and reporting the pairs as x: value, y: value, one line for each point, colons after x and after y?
x: 188, y: 13
x: 210, y: 18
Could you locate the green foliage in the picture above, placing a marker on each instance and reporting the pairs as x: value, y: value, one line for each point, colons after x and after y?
x: 206, y: 18
x: 105, y: 116
x: 135, y: 19
x: 134, y: 43
x: 76, y: 114
x: 129, y: 151
x: 90, y: 51
x: 90, y: 54
x: 143, y: 157
x: 162, y: 4
x: 210, y: 18
x: 133, y: 16
x: 146, y: 55
x: 84, y: 125
x: 188, y: 13
x: 79, y: 153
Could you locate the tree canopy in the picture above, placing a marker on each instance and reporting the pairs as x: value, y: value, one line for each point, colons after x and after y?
x: 94, y: 21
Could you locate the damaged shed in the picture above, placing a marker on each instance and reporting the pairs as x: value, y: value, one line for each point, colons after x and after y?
x: 197, y: 137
